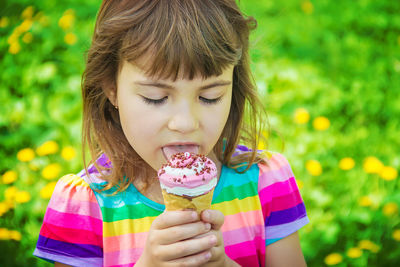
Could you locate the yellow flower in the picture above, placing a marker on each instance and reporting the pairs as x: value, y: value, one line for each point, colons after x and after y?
x: 67, y: 20
x: 372, y: 165
x: 15, y: 235
x: 51, y: 171
x: 68, y: 153
x: 301, y: 116
x: 346, y: 164
x: 14, y: 48
x: 47, y: 148
x: 47, y: 190
x: 307, y: 7
x: 9, y: 177
x: 70, y: 38
x: 368, y: 245
x: 27, y: 38
x: 396, y: 235
x: 354, y: 253
x: 388, y: 173
x: 3, y: 208
x: 390, y: 208
x: 4, y: 22
x: 365, y: 201
x: 4, y: 234
x: 314, y: 167
x: 22, y: 197
x: 25, y: 26
x: 27, y: 13
x: 25, y: 155
x: 321, y: 123
x: 333, y: 259
x: 10, y: 193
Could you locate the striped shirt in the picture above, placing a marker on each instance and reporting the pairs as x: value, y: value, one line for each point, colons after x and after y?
x: 82, y: 227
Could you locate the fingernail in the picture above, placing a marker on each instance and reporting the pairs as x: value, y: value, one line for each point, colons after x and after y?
x: 208, y: 255
x: 207, y: 226
x: 213, y: 240
x: 194, y: 215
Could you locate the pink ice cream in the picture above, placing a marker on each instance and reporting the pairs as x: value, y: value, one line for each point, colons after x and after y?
x: 188, y: 174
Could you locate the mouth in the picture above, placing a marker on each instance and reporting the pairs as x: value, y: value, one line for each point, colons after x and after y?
x: 172, y: 149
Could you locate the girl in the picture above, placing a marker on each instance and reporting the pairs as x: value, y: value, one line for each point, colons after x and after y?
x: 165, y: 76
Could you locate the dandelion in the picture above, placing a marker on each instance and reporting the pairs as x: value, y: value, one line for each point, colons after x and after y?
x: 9, y: 177
x: 22, y: 197
x: 390, y: 208
x: 47, y: 148
x: 70, y: 38
x: 346, y: 164
x: 333, y: 259
x: 15, y: 235
x: 9, y: 193
x: 365, y: 201
x: 368, y: 245
x: 314, y: 167
x: 4, y: 21
x: 25, y: 26
x: 388, y: 173
x: 321, y: 123
x: 67, y: 20
x: 51, y: 171
x: 396, y: 235
x: 354, y: 253
x: 3, y: 208
x: 14, y: 48
x: 4, y: 234
x: 27, y: 38
x: 26, y: 154
x: 27, y: 13
x: 47, y: 190
x: 307, y: 7
x: 68, y: 153
x: 372, y: 165
x: 301, y: 116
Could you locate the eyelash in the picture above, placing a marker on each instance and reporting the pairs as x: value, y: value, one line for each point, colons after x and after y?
x: 161, y: 101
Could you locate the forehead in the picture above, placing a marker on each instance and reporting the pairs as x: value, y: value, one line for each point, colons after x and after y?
x: 136, y: 71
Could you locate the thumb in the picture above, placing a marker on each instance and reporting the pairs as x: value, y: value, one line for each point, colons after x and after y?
x: 214, y: 217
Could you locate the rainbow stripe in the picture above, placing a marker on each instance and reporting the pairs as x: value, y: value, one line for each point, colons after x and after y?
x: 84, y: 227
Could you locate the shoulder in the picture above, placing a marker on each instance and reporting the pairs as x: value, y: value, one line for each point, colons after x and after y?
x: 274, y: 169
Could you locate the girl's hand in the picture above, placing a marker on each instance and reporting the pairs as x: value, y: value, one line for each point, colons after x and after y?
x: 170, y: 241
x: 218, y: 256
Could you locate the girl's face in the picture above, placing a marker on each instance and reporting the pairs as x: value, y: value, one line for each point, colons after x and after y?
x: 162, y: 117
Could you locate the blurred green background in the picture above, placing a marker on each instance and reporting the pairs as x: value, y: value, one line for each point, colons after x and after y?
x: 329, y: 75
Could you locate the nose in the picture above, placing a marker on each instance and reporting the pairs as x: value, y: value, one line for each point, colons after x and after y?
x: 184, y: 119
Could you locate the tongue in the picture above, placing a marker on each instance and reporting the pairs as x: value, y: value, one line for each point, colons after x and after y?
x: 171, y: 150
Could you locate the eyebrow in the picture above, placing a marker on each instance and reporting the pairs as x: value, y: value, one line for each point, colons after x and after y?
x: 167, y: 86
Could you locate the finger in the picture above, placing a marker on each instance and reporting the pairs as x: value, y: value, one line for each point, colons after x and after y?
x: 185, y: 248
x: 182, y: 232
x: 193, y: 260
x: 214, y: 217
x: 216, y: 253
x: 173, y: 218
x: 217, y: 234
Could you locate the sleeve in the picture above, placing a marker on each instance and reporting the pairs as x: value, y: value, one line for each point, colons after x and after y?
x: 71, y: 232
x: 282, y: 205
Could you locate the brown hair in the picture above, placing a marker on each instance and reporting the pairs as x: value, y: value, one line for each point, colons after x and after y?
x: 195, y: 37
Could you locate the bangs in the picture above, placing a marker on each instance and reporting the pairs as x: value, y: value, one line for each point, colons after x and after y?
x: 171, y: 38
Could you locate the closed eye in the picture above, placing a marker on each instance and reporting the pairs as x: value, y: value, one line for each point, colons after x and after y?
x: 210, y: 101
x: 155, y: 102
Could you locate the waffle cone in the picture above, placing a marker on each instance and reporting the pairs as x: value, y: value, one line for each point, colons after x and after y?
x: 175, y: 202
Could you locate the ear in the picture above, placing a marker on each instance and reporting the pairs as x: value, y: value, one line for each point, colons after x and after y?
x: 110, y: 91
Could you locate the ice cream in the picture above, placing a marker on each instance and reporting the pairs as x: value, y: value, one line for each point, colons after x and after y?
x: 188, y: 181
